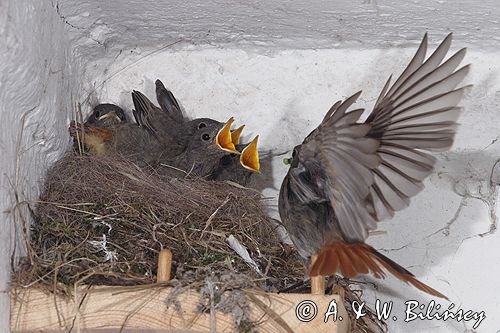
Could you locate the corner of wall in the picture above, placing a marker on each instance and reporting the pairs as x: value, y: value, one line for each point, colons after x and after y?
x: 38, y: 75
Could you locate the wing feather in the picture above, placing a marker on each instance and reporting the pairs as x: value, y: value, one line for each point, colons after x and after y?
x: 416, y: 117
x: 372, y: 169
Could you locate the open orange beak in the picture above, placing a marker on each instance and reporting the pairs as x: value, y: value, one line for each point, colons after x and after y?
x: 249, y: 158
x: 235, y: 135
x: 224, y: 138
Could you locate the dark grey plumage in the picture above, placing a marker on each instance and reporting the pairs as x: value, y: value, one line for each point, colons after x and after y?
x: 106, y: 115
x: 168, y: 102
x: 183, y: 139
x: 348, y: 175
x: 229, y: 168
x: 103, y: 116
x: 158, y: 122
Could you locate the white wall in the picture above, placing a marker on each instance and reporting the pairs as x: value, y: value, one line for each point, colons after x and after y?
x: 277, y: 66
x: 285, y: 95
x: 293, y: 24
x: 36, y: 85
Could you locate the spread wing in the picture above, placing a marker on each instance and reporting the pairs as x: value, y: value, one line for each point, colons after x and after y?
x: 371, y: 169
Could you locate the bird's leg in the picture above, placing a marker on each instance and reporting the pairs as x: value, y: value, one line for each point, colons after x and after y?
x: 317, y: 282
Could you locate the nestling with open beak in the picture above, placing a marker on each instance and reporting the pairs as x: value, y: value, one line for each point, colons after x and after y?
x: 347, y: 175
x: 230, y: 141
x: 209, y: 146
x: 230, y: 166
x: 170, y: 127
x: 195, y: 146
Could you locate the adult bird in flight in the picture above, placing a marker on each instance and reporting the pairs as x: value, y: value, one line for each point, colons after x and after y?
x: 347, y: 175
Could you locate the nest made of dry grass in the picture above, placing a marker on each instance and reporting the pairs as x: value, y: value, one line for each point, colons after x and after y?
x: 104, y: 221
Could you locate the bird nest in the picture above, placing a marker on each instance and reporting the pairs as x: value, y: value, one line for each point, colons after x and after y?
x: 103, y: 221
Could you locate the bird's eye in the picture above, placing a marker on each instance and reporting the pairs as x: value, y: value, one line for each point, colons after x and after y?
x: 202, y: 125
x: 205, y: 137
x: 294, y: 153
x: 97, y: 114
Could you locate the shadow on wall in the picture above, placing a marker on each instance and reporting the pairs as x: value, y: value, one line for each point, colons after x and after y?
x: 429, y: 243
x: 461, y: 181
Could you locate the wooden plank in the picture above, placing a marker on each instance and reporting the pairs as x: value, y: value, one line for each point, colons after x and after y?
x: 111, y: 308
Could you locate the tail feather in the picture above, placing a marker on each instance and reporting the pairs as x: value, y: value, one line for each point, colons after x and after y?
x: 352, y: 259
x: 333, y: 264
x: 370, y: 264
x: 359, y: 265
x: 347, y: 267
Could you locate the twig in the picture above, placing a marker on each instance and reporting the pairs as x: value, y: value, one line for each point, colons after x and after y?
x: 212, y: 216
x: 172, y: 167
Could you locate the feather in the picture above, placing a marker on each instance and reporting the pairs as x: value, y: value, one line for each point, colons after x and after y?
x: 355, y: 258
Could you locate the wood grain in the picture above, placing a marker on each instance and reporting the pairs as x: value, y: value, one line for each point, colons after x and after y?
x: 109, y: 309
x: 164, y: 265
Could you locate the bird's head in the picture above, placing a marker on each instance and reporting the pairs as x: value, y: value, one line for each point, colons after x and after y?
x: 229, y: 140
x: 202, y: 133
x: 209, y: 137
x: 106, y: 115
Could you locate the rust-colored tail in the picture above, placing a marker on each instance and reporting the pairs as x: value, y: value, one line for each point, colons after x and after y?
x: 352, y: 259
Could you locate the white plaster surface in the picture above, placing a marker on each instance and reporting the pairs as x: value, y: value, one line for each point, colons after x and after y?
x: 277, y: 66
x: 36, y: 84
